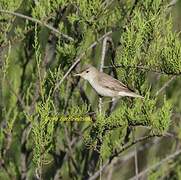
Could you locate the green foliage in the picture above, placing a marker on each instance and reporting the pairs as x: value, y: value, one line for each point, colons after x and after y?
x: 115, y: 131
x: 65, y: 51
x: 170, y: 54
x: 44, y: 9
x: 11, y: 5
x: 47, y: 133
x: 161, y: 119
x: 42, y: 131
x: 76, y: 114
x: 154, y: 175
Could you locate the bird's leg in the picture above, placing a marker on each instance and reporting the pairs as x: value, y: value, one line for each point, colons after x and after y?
x: 100, y: 105
x: 113, y: 104
x: 112, y: 100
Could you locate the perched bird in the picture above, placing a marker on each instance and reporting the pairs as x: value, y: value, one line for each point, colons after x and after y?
x: 106, y: 85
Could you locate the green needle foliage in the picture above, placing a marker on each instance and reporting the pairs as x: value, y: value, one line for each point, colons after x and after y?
x: 51, y: 125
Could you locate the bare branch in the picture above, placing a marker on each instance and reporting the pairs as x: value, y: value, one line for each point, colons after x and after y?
x: 102, y: 65
x: 136, y: 163
x: 147, y: 170
x: 100, y: 99
x: 135, y: 156
x: 103, y: 54
x: 70, y: 151
x: 110, y: 172
x: 37, y: 21
x: 165, y: 85
x: 24, y: 151
x: 95, y: 175
x: 140, y: 149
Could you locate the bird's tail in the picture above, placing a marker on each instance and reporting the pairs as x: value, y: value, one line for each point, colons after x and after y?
x: 130, y: 94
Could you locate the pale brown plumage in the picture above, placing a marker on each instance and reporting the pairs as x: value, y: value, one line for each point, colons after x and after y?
x: 106, y: 85
x: 114, y: 84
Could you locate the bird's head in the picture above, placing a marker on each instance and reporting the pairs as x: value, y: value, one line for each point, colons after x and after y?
x: 88, y: 72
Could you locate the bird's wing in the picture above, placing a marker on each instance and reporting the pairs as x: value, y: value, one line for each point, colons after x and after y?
x: 112, y: 83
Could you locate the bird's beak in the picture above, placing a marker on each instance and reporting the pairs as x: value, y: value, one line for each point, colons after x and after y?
x: 77, y: 74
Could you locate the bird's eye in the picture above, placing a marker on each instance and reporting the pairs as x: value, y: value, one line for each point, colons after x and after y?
x: 87, y: 71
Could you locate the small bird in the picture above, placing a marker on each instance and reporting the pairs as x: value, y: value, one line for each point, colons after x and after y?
x: 106, y: 85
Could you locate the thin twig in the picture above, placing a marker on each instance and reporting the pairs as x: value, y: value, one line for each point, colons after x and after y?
x: 165, y: 85
x: 96, y: 174
x: 140, y: 149
x: 110, y: 171
x: 136, y: 162
x: 78, y: 59
x: 171, y: 156
x: 135, y: 155
x: 100, y: 98
x: 103, y: 53
x: 37, y: 21
x: 70, y: 151
x: 24, y: 151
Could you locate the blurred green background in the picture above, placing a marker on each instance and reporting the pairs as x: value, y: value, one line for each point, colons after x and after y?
x: 35, y: 143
